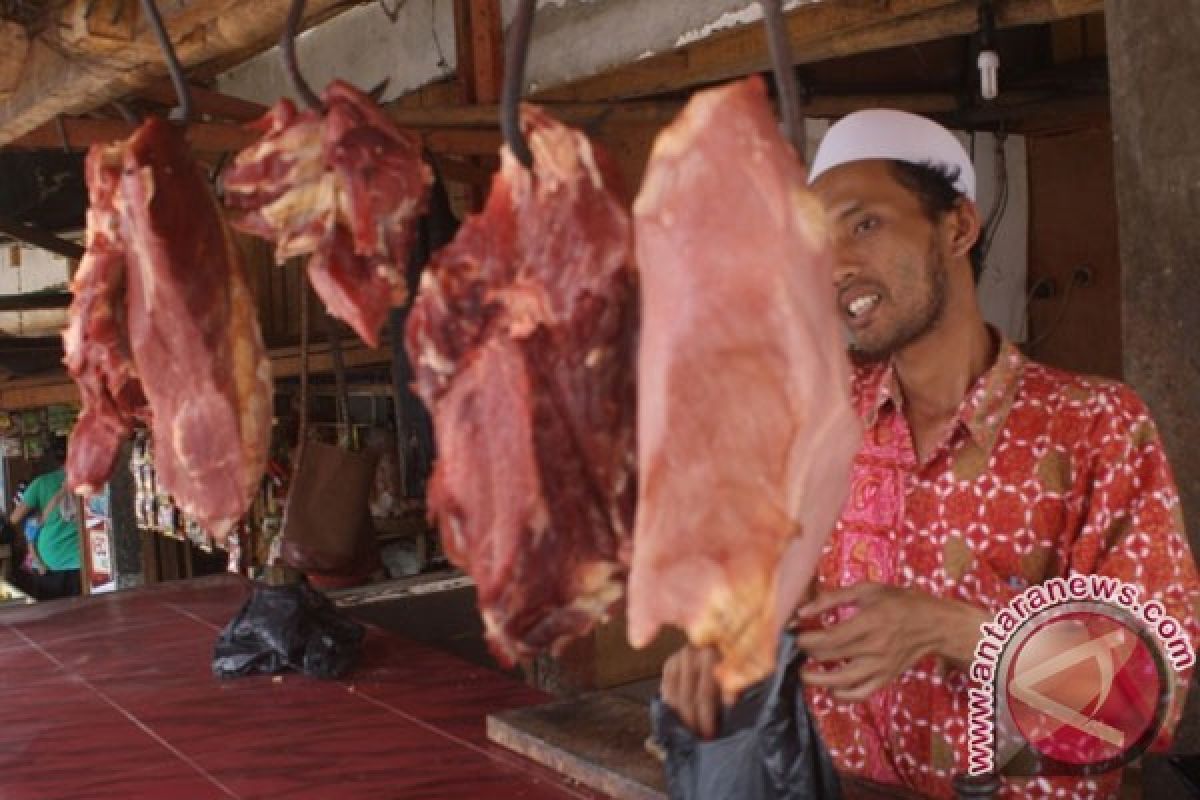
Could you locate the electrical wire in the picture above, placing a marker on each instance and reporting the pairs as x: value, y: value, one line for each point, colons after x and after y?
x: 995, y: 219
x: 392, y: 12
x: 1059, y: 316
x: 442, y: 63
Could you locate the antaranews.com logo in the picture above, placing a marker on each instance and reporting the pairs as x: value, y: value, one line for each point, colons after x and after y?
x: 1072, y: 678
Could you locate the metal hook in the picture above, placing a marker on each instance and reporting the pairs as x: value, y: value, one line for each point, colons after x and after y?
x: 785, y: 72
x: 126, y: 112
x: 62, y: 133
x: 183, y: 112
x: 514, y: 80
x: 287, y: 48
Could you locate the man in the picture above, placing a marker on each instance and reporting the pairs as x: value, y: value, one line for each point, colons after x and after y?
x: 56, y: 551
x: 981, y: 473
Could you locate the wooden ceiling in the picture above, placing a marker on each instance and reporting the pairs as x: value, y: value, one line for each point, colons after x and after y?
x: 98, y: 51
x: 912, y: 54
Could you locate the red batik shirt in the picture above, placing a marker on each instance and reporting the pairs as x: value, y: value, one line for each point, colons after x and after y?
x: 1044, y: 474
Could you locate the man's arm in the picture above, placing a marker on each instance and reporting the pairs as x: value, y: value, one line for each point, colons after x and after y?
x: 19, y: 515
x: 941, y: 626
x: 892, y: 628
x: 1133, y: 529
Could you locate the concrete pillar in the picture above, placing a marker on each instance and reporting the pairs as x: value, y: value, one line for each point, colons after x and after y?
x: 1154, y: 71
x: 1154, y: 63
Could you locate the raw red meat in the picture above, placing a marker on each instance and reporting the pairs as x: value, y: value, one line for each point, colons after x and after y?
x: 348, y: 187
x: 186, y: 317
x: 745, y: 427
x: 522, y: 340
x: 96, y: 338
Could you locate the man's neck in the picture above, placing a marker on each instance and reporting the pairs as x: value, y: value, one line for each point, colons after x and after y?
x: 936, y: 371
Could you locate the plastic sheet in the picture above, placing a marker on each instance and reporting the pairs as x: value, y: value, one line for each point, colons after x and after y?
x: 767, y: 747
x: 283, y: 628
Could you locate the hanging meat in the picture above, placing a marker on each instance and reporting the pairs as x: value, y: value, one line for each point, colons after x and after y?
x: 96, y: 339
x: 163, y: 327
x: 745, y: 427
x: 346, y: 186
x: 522, y: 341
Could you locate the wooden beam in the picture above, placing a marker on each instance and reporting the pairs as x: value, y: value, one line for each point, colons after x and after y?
x: 206, y: 101
x: 83, y: 67
x: 465, y: 130
x: 34, y: 301
x: 285, y: 363
x: 1034, y: 114
x: 580, y: 114
x: 463, y: 142
x: 818, y: 31
x: 479, y: 29
x: 40, y: 238
x: 82, y: 132
x: 456, y: 169
x: 14, y: 47
x: 19, y: 393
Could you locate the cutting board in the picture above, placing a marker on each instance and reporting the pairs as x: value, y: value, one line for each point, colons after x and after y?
x: 597, y: 739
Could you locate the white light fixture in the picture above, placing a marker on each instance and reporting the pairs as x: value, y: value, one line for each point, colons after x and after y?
x: 989, y: 59
x: 989, y: 74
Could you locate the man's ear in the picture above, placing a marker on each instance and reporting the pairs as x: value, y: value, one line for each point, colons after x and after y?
x: 964, y: 227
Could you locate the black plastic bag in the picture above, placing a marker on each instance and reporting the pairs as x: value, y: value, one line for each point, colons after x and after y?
x: 767, y: 747
x: 287, y: 627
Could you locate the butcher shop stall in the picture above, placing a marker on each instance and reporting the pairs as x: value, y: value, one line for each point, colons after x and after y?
x: 422, y: 365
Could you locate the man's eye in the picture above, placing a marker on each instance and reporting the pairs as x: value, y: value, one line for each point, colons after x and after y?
x: 866, y: 225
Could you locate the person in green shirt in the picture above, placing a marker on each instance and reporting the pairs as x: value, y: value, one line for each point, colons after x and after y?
x: 56, y: 551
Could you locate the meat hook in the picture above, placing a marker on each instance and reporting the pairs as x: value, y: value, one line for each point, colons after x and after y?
x: 287, y: 48
x: 515, y: 52
x: 785, y: 72
x: 182, y: 113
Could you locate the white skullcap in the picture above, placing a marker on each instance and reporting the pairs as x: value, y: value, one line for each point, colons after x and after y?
x: 897, y: 136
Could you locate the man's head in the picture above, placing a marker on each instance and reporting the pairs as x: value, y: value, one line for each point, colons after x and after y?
x: 56, y: 453
x: 900, y: 192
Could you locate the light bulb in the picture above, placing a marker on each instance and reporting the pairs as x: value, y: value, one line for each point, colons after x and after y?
x: 989, y: 74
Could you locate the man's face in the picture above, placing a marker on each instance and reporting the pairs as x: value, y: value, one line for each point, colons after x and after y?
x: 889, y: 270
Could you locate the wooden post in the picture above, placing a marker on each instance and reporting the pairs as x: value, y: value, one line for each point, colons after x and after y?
x: 479, y: 29
x: 479, y: 42
x: 1154, y: 69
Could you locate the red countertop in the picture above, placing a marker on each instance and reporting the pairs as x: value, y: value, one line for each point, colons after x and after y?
x: 113, y: 697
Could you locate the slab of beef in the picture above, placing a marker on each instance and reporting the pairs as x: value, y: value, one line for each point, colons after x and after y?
x: 348, y: 187
x: 522, y: 341
x: 96, y: 337
x: 163, y: 317
x: 745, y: 428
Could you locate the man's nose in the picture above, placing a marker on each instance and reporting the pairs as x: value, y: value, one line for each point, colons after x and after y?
x: 844, y: 270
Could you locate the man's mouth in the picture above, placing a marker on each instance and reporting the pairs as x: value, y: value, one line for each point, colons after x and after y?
x: 862, y: 305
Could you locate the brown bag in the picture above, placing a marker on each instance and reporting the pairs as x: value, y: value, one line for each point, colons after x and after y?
x: 327, y: 515
x: 327, y: 525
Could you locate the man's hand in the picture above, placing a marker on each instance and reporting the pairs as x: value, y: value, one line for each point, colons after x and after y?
x: 689, y: 687
x: 892, y: 629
